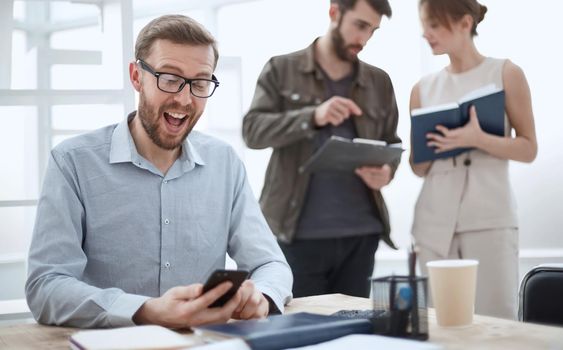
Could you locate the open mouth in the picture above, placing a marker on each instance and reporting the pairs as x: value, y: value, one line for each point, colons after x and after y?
x: 175, y: 120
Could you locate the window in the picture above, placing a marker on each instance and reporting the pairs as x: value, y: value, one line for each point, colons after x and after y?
x: 72, y: 77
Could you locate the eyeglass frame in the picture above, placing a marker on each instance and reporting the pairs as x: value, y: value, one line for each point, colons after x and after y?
x: 187, y: 81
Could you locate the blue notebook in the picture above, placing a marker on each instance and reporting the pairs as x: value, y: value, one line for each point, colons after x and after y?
x: 285, y: 331
x: 489, y: 102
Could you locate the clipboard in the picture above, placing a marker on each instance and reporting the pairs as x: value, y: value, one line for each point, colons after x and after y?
x: 342, y: 154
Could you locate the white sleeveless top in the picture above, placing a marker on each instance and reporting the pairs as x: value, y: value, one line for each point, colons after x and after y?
x: 471, y: 191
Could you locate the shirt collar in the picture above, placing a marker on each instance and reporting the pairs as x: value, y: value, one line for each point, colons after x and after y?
x: 190, y: 152
x: 309, y: 65
x: 123, y: 148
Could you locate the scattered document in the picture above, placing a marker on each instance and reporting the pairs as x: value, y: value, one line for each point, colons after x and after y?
x: 371, y: 342
x: 135, y: 338
x: 233, y: 344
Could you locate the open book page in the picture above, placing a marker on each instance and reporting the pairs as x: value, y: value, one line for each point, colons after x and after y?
x: 377, y: 143
x: 362, y: 341
x: 431, y: 109
x: 472, y: 95
x: 480, y: 92
x: 369, y: 141
x: 139, y: 337
x: 396, y: 145
x: 232, y: 344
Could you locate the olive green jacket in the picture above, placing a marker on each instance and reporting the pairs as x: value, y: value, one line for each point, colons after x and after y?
x: 288, y: 90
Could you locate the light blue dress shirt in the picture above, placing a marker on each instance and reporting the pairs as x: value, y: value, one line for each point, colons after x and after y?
x: 112, y: 230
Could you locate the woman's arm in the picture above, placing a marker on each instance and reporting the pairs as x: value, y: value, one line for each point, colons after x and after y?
x: 523, y: 147
x: 420, y: 169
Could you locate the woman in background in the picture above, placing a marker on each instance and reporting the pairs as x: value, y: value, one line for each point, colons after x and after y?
x: 466, y: 208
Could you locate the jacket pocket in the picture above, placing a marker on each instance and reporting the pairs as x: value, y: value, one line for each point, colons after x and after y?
x: 376, y: 113
x: 293, y: 99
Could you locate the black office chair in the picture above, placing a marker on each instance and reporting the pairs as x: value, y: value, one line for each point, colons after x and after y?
x: 541, y: 295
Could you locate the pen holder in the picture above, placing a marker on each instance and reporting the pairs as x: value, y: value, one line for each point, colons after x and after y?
x: 400, y: 305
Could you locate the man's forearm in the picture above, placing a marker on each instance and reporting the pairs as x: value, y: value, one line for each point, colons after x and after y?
x: 66, y: 301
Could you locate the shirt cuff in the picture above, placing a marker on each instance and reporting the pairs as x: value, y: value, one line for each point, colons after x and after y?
x: 272, y: 307
x: 276, y: 303
x: 120, y: 313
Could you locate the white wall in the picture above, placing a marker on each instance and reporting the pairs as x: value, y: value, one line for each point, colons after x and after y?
x: 509, y: 30
x: 256, y: 30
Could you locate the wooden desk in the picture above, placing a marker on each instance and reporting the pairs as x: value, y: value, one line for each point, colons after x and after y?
x: 485, y: 333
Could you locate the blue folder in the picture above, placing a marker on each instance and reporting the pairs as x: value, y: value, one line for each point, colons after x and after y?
x: 286, y: 331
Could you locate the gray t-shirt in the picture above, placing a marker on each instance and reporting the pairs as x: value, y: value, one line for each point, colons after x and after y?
x: 337, y: 204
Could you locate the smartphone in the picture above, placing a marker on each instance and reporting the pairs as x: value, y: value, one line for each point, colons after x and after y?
x: 236, y: 277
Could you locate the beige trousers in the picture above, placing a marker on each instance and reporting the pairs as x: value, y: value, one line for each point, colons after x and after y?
x: 497, y: 274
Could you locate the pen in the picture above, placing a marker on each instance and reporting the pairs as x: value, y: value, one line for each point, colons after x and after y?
x: 414, y: 287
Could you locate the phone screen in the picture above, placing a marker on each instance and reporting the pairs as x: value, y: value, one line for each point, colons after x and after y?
x: 236, y: 277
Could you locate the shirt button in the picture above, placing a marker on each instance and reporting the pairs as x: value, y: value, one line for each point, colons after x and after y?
x: 165, y: 181
x: 467, y: 162
x: 166, y: 221
x: 304, y: 126
x: 167, y: 265
x: 295, y: 97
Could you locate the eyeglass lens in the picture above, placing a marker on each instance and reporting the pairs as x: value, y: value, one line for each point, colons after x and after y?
x: 172, y: 83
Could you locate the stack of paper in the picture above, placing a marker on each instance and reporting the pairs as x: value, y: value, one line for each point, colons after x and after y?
x: 141, y: 337
x: 371, y: 342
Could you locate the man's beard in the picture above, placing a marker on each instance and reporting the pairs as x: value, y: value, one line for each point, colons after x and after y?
x: 150, y: 122
x: 340, y: 47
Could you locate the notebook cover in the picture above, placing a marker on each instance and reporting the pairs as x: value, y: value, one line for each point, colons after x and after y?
x: 339, y: 154
x: 292, y: 330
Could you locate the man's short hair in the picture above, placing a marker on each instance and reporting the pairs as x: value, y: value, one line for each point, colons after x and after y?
x: 178, y: 29
x: 380, y: 6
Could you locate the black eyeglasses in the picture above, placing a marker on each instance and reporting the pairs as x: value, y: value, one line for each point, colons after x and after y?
x: 173, y: 83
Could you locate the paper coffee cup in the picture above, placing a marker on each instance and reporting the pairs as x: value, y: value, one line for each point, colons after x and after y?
x: 452, y: 286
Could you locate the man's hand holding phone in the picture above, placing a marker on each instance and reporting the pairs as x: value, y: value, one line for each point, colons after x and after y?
x: 183, y: 307
x: 215, y: 302
x: 253, y: 303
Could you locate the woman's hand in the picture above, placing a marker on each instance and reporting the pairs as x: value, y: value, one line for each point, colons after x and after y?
x: 468, y: 135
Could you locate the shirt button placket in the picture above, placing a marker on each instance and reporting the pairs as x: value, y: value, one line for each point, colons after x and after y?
x: 167, y: 235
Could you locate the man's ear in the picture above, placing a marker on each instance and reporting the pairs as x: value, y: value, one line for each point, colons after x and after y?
x: 334, y: 12
x: 135, y: 76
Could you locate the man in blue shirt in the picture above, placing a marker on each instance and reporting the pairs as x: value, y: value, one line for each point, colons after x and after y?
x: 134, y: 216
